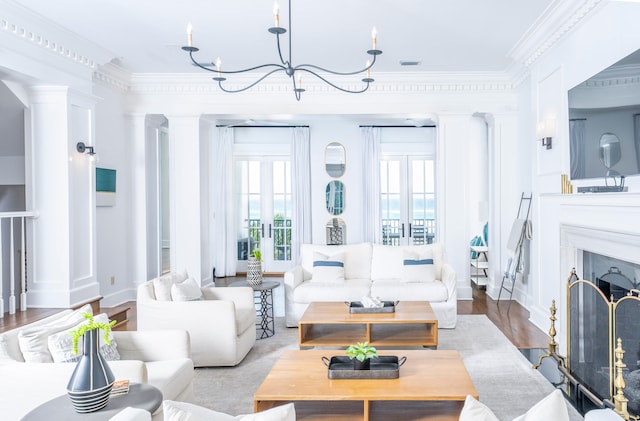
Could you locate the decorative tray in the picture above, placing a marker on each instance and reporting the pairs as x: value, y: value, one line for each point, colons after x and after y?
x: 384, y: 367
x: 358, y: 307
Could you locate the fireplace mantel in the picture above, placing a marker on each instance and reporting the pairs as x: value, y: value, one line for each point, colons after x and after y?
x: 566, y: 224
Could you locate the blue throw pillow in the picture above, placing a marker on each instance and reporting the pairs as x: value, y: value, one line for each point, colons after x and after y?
x: 418, y: 267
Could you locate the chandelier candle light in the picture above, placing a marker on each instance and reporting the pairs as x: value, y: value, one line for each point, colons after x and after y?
x: 286, y: 66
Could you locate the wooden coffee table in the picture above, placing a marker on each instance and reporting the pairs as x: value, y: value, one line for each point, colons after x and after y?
x: 330, y: 324
x: 432, y: 386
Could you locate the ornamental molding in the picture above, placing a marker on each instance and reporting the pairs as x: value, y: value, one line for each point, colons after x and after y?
x: 554, y: 23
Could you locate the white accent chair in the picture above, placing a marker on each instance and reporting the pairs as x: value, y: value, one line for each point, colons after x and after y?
x: 221, y: 324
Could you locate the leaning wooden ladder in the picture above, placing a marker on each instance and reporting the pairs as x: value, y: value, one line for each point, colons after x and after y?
x: 514, y: 246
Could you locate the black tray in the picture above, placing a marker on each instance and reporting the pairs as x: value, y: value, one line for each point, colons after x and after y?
x: 384, y: 367
x: 358, y: 307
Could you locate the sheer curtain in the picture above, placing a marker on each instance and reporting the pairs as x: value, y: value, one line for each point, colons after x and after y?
x: 223, y: 217
x: 371, y: 227
x: 577, y: 141
x: 301, y: 190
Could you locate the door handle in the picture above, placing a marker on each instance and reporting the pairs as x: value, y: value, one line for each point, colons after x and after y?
x: 269, y: 230
x: 410, y: 234
x: 402, y: 228
x: 262, y: 230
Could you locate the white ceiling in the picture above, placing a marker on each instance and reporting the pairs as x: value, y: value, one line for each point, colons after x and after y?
x: 145, y: 36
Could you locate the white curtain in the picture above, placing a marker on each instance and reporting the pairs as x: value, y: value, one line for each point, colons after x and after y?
x: 371, y: 226
x: 301, y: 190
x: 224, y: 234
x: 577, y: 134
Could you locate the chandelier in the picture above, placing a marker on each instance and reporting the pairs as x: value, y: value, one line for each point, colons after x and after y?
x: 293, y: 71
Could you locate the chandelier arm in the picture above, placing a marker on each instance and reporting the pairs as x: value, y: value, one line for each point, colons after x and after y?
x: 334, y: 85
x: 280, y: 69
x: 280, y: 51
x: 322, y: 69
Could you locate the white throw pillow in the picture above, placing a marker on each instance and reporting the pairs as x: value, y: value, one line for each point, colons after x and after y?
x: 33, y: 341
x: 188, y: 290
x: 182, y: 411
x: 552, y: 407
x: 418, y: 267
x: 328, y: 269
x: 162, y: 285
x: 61, y: 344
x: 473, y: 410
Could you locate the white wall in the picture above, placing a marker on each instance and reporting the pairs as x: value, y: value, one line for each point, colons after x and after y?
x: 608, y: 35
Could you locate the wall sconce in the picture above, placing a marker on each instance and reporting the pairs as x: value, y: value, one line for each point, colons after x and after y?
x: 82, y: 148
x: 545, y: 131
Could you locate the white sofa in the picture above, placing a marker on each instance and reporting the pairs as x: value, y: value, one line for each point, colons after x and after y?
x: 221, y: 323
x: 376, y: 270
x: 157, y: 358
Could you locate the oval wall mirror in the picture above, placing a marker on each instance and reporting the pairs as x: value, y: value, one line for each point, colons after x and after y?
x: 335, y: 159
x: 609, y: 152
x: 335, y: 197
x: 336, y: 232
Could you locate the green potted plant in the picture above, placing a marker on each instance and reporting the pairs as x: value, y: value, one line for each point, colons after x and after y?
x: 92, y: 325
x: 254, y: 268
x: 361, y: 354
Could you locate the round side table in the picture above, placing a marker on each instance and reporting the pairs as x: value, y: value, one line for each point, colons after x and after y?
x: 141, y: 396
x: 263, y: 298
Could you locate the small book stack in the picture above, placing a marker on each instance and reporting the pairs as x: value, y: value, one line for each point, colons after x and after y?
x: 120, y: 387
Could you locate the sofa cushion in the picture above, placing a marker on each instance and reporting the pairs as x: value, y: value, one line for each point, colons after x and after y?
x: 170, y: 376
x: 182, y: 411
x: 392, y: 289
x: 33, y: 340
x: 60, y: 344
x: 328, y: 269
x: 387, y: 262
x: 187, y: 290
x: 552, y: 407
x: 357, y: 258
x: 162, y: 285
x: 350, y: 290
x: 418, y: 267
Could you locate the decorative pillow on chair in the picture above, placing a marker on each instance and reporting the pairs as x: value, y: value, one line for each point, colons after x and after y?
x: 182, y: 411
x: 188, y: 290
x: 61, y: 344
x: 473, y: 410
x: 418, y: 267
x: 328, y: 269
x: 33, y: 341
x: 162, y: 285
x: 551, y: 407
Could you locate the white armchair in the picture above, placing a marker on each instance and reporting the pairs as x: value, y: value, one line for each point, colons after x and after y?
x: 221, y: 325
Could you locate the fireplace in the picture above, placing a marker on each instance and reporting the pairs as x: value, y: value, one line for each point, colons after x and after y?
x: 599, y: 312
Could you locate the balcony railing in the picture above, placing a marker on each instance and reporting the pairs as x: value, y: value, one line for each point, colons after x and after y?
x: 13, y: 258
x: 419, y: 231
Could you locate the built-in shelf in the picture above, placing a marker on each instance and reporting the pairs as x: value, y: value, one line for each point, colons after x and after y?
x: 479, y: 265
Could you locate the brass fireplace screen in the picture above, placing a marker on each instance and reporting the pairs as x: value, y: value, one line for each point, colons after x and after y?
x: 596, y: 326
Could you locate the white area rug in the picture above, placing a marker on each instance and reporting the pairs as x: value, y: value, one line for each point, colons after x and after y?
x: 503, y: 377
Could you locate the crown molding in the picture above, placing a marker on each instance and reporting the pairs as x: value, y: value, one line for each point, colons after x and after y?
x: 552, y: 25
x: 34, y: 30
x: 407, y: 83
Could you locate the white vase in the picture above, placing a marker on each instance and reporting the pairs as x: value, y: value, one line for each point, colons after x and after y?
x: 254, y: 271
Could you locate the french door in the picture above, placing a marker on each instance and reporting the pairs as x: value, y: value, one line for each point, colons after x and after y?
x: 407, y: 200
x: 263, y: 211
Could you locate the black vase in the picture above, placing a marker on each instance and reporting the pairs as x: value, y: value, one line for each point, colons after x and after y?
x: 361, y: 365
x: 90, y: 385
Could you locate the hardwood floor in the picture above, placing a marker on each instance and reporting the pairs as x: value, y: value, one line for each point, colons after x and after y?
x: 515, y: 325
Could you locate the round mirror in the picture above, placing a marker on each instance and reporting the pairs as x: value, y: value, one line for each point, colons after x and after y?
x: 334, y: 159
x: 335, y: 197
x: 609, y: 152
x: 336, y: 232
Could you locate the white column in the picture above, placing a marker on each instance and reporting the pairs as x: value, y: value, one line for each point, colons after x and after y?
x: 186, y: 195
x: 63, y: 193
x: 453, y: 208
x: 138, y: 221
